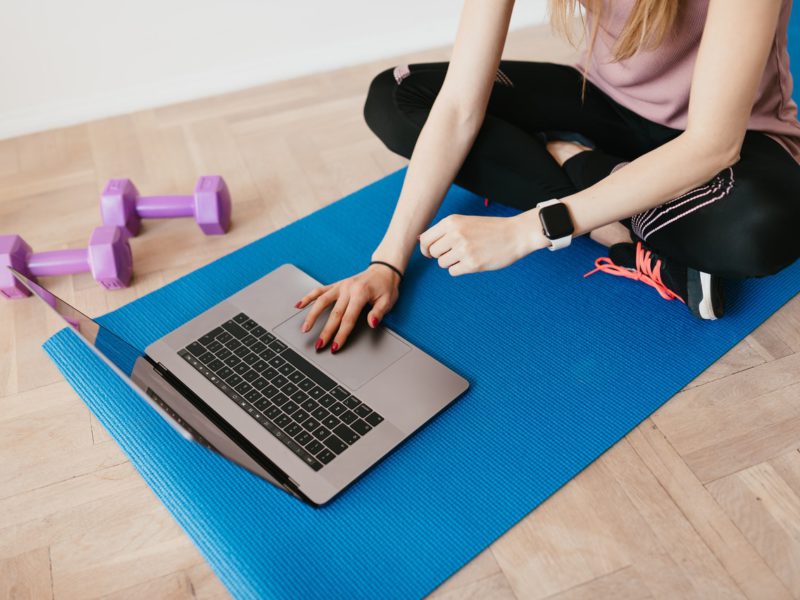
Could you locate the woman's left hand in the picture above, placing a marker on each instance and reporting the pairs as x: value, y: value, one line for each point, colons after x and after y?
x: 466, y: 244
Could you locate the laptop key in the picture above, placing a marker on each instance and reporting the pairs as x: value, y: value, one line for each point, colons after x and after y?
x: 300, y: 415
x: 335, y: 444
x: 215, y: 346
x: 289, y: 407
x: 196, y: 348
x: 280, y: 399
x: 233, y: 380
x: 250, y: 358
x: 374, y: 419
x: 223, y: 354
x: 258, y: 331
x: 270, y: 391
x: 310, y: 424
x: 282, y: 421
x: 243, y: 388
x: 216, y: 364
x: 249, y: 340
x: 326, y: 400
x: 267, y: 337
x: 232, y: 361
x: 347, y: 434
x: 235, y: 330
x: 276, y: 361
x: 279, y: 381
x: 299, y: 396
x: 320, y: 433
x: 337, y: 409
x: 292, y: 429
x: 289, y: 389
x: 361, y: 427
x: 224, y: 337
x: 241, y: 368
x: 206, y: 358
x: 319, y: 413
x: 286, y: 369
x: 233, y: 344
x: 262, y: 404
x: 296, y: 377
x: 277, y: 345
x: 249, y: 325
x: 241, y: 318
x: 252, y: 396
x: 314, y: 446
x: 261, y: 365
x: 309, y: 405
x: 330, y: 421
x: 225, y: 372
x: 303, y: 437
x: 258, y: 347
x: 270, y: 373
x: 339, y: 393
x: 241, y: 351
x: 351, y: 402
x: 272, y: 412
x: 306, y: 384
x: 260, y: 383
x: 267, y: 354
x: 362, y: 410
x: 325, y: 456
x: 316, y: 392
x: 348, y: 417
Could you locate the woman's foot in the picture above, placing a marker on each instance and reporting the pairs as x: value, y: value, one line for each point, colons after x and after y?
x: 701, y: 292
x: 562, y: 150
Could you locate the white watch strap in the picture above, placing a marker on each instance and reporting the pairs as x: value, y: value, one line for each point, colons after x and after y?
x: 558, y: 243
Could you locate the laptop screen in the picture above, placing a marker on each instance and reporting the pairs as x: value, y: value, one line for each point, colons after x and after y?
x: 121, y: 356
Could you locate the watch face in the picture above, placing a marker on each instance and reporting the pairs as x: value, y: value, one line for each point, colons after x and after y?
x: 556, y: 221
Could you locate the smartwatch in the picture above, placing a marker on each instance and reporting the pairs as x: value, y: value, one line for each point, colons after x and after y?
x: 556, y: 223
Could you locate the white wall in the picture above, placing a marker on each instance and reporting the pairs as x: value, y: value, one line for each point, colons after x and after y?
x: 68, y: 61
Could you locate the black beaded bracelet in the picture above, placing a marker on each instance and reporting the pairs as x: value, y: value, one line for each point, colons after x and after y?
x: 385, y: 264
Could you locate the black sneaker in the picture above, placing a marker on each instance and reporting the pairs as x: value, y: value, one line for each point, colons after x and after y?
x: 700, y: 292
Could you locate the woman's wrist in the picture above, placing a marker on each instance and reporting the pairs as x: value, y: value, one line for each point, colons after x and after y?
x: 527, y: 230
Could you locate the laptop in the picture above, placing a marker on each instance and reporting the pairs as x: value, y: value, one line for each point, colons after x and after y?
x: 242, y: 380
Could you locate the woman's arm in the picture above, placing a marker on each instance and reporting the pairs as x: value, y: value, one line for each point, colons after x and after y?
x: 451, y: 128
x: 442, y: 146
x: 730, y: 63
x: 735, y: 45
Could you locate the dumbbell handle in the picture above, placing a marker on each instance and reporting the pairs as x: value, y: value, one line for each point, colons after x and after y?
x: 161, y: 207
x: 59, y: 262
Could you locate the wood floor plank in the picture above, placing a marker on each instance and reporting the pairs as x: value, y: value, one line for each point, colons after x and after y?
x: 26, y: 576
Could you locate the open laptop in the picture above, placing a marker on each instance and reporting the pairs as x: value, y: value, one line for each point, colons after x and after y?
x: 243, y: 381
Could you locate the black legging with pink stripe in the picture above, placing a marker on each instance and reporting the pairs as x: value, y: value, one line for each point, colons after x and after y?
x: 745, y: 222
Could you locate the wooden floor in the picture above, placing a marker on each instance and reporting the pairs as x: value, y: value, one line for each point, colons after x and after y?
x: 702, y: 500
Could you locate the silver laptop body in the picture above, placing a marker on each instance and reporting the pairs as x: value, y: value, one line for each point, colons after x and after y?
x: 222, y: 386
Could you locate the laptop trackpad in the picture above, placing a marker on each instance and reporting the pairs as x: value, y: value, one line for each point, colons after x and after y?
x: 367, y: 351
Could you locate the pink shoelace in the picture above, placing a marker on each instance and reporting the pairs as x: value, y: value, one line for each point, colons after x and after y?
x: 644, y: 272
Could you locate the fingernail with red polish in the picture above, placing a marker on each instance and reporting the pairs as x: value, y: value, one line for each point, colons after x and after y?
x: 319, y: 344
x: 374, y: 321
x: 299, y: 304
x: 334, y: 347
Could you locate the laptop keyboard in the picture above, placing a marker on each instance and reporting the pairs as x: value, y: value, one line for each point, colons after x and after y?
x: 314, y: 416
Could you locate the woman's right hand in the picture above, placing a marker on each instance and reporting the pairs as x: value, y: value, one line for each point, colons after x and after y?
x: 377, y: 285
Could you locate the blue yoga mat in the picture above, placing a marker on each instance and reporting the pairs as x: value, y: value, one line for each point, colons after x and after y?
x: 561, y: 367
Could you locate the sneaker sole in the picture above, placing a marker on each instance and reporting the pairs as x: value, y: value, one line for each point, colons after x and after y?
x: 705, y: 295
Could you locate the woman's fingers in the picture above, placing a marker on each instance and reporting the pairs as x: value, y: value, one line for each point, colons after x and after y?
x: 348, y: 322
x: 441, y: 246
x: 332, y: 324
x: 322, y: 302
x: 448, y: 259
x: 313, y: 295
x: 379, y: 309
x: 430, y: 236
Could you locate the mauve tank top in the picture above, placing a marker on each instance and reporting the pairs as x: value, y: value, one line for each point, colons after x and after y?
x: 656, y: 83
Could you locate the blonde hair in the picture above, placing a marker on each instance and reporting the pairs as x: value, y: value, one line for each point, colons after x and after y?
x: 645, y: 29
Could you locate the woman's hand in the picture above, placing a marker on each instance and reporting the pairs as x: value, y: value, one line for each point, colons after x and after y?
x: 465, y: 244
x: 377, y: 285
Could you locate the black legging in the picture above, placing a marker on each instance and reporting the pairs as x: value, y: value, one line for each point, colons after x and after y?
x: 744, y: 223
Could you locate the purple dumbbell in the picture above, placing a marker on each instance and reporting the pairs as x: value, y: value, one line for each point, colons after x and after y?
x: 108, y: 257
x: 210, y: 205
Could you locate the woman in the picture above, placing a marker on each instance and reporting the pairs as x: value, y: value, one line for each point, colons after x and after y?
x: 689, y: 166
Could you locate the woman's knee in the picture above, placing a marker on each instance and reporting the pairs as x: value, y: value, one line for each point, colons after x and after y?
x: 383, y: 116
